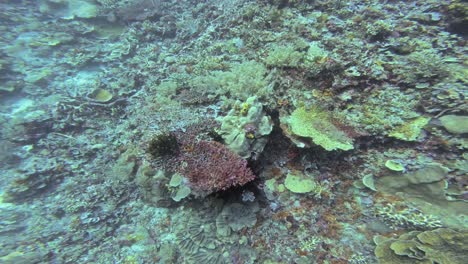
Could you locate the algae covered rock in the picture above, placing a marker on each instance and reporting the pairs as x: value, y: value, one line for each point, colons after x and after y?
x: 410, y: 130
x: 297, y: 184
x: 70, y: 9
x: 33, y: 179
x: 238, y: 216
x: 284, y: 56
x: 241, y: 81
x: 455, y: 124
x: 315, y: 125
x: 153, y: 185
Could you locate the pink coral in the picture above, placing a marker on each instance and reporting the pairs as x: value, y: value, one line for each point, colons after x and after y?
x: 210, y: 166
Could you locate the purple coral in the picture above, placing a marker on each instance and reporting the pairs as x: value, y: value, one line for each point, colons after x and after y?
x: 210, y: 166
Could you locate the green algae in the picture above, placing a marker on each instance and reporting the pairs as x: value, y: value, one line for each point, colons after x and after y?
x: 317, y: 126
x: 297, y: 184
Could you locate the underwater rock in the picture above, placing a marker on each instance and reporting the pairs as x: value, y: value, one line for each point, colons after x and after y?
x: 455, y: 124
x: 34, y: 178
x: 70, y: 9
x: 298, y: 184
x: 18, y: 257
x: 125, y: 167
x: 457, y: 17
x: 139, y: 10
x: 12, y: 220
x: 238, y: 216
x: 410, y: 130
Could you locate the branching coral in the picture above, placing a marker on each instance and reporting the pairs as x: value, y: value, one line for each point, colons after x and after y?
x: 241, y: 81
x: 407, y: 217
x: 210, y: 166
x: 205, y: 166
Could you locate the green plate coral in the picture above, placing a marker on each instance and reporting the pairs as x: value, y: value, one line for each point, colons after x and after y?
x: 317, y: 126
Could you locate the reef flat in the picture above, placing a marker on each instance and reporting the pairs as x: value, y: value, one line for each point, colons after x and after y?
x: 216, y: 131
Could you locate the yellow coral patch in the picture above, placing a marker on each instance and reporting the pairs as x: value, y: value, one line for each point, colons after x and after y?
x: 316, y: 125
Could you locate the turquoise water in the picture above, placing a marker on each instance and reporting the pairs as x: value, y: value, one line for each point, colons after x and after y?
x: 269, y: 131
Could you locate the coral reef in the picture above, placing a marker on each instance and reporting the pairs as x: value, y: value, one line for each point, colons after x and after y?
x: 233, y: 131
x: 441, y: 245
x: 209, y: 166
x: 246, y: 127
x: 316, y: 125
x: 243, y: 80
x: 407, y: 218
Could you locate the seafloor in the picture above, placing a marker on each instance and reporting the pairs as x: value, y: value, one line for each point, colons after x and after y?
x: 217, y: 131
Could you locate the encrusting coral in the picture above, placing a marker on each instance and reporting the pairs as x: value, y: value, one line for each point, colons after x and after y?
x: 443, y: 245
x: 315, y: 125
